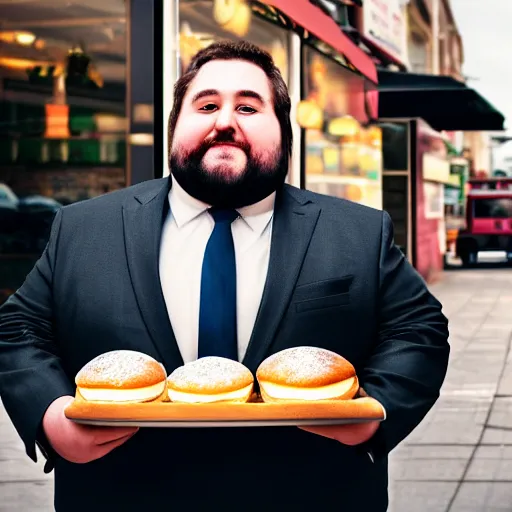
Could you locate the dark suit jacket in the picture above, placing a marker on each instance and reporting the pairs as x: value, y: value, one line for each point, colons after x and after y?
x: 335, y: 280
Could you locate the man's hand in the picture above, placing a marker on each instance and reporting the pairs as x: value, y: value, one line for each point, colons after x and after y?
x: 80, y: 443
x: 351, y: 435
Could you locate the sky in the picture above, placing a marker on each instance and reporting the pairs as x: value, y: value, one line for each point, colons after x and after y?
x: 487, y: 41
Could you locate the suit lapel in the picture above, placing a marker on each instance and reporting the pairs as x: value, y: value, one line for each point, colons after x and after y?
x: 142, y: 217
x: 294, y: 223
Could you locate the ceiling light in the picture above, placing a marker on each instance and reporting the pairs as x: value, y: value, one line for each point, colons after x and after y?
x: 25, y: 38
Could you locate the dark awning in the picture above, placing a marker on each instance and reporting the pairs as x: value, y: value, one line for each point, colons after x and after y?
x: 443, y: 102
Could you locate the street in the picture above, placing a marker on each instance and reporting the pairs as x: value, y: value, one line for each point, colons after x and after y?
x: 458, y: 460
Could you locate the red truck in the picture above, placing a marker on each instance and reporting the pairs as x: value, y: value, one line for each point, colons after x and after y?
x: 488, y: 220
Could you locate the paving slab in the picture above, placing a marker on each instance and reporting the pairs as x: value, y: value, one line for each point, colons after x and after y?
x: 491, y: 463
x: 26, y: 496
x: 483, y: 497
x: 426, y: 497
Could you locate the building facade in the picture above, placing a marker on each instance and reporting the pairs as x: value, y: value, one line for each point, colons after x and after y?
x: 379, y: 106
x: 427, y: 103
x: 328, y: 76
x: 86, y: 91
x: 77, y: 103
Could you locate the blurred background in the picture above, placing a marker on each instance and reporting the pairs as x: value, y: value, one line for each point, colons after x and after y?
x: 393, y: 105
x: 401, y: 105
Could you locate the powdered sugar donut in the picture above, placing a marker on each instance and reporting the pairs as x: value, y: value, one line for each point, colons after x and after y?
x: 306, y: 373
x: 121, y: 376
x: 210, y: 379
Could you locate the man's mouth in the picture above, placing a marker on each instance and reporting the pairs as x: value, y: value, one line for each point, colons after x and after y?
x: 224, y: 144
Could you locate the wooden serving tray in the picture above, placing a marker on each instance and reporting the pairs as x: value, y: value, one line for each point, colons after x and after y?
x: 163, y: 413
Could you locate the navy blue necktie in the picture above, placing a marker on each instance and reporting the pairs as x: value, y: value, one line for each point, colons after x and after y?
x: 217, y: 310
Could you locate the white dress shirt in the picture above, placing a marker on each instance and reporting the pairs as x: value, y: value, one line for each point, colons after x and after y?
x: 184, y: 237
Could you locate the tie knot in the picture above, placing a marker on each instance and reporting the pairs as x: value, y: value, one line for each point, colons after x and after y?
x: 223, y: 216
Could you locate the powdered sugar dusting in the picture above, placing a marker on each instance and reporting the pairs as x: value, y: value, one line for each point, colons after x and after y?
x: 209, y: 374
x: 117, y: 367
x: 301, y: 364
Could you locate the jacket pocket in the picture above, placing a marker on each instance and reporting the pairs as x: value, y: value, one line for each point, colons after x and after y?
x: 322, y: 289
x: 330, y: 301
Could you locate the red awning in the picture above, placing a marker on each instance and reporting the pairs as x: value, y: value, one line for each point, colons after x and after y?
x: 311, y: 18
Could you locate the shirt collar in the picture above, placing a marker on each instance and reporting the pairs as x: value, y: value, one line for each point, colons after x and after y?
x: 185, y: 208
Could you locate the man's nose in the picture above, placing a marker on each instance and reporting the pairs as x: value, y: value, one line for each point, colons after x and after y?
x: 225, y: 119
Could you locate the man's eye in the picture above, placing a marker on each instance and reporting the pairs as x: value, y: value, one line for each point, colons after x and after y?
x: 246, y: 109
x: 209, y: 108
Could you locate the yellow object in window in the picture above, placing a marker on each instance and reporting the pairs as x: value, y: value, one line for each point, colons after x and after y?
x: 233, y: 16
x: 310, y: 115
x: 342, y: 126
x: 190, y: 44
x: 353, y: 193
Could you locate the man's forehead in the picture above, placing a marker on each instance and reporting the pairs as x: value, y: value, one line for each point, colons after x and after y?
x: 230, y: 76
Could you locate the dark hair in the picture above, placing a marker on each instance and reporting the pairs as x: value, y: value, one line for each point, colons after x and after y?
x: 241, y: 50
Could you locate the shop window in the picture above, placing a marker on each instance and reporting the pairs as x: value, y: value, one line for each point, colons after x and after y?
x: 495, y: 208
x: 203, y: 22
x: 396, y: 203
x: 63, y: 129
x: 395, y: 146
x: 343, y: 157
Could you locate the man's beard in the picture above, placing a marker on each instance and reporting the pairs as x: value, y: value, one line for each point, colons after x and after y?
x: 217, y: 188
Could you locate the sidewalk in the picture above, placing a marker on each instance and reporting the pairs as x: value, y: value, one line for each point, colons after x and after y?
x: 460, y: 457
x: 458, y: 460
x: 24, y: 487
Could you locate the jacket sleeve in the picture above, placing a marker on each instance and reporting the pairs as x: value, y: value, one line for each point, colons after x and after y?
x: 31, y: 373
x: 409, y: 363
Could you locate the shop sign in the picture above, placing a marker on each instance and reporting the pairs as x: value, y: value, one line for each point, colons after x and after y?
x: 435, y: 169
x: 433, y: 194
x: 57, y: 121
x: 383, y: 23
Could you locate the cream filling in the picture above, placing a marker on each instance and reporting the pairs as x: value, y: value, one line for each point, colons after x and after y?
x: 238, y: 395
x: 123, y: 395
x: 295, y: 393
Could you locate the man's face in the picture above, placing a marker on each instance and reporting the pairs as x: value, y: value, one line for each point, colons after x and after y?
x: 226, y: 147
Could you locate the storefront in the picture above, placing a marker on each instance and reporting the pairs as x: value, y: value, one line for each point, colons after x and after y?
x: 77, y: 116
x: 86, y: 90
x: 418, y: 171
x: 397, y: 190
x: 455, y: 193
x: 330, y: 81
x: 343, y: 156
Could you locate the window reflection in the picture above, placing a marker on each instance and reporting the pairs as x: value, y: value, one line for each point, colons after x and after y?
x: 343, y: 158
x: 493, y: 209
x: 203, y: 22
x: 62, y: 118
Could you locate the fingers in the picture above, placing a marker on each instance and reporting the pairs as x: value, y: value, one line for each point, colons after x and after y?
x: 103, y: 449
x: 81, y: 443
x: 351, y: 434
x: 327, y: 431
x: 105, y: 435
x: 89, y: 450
x: 116, y: 442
